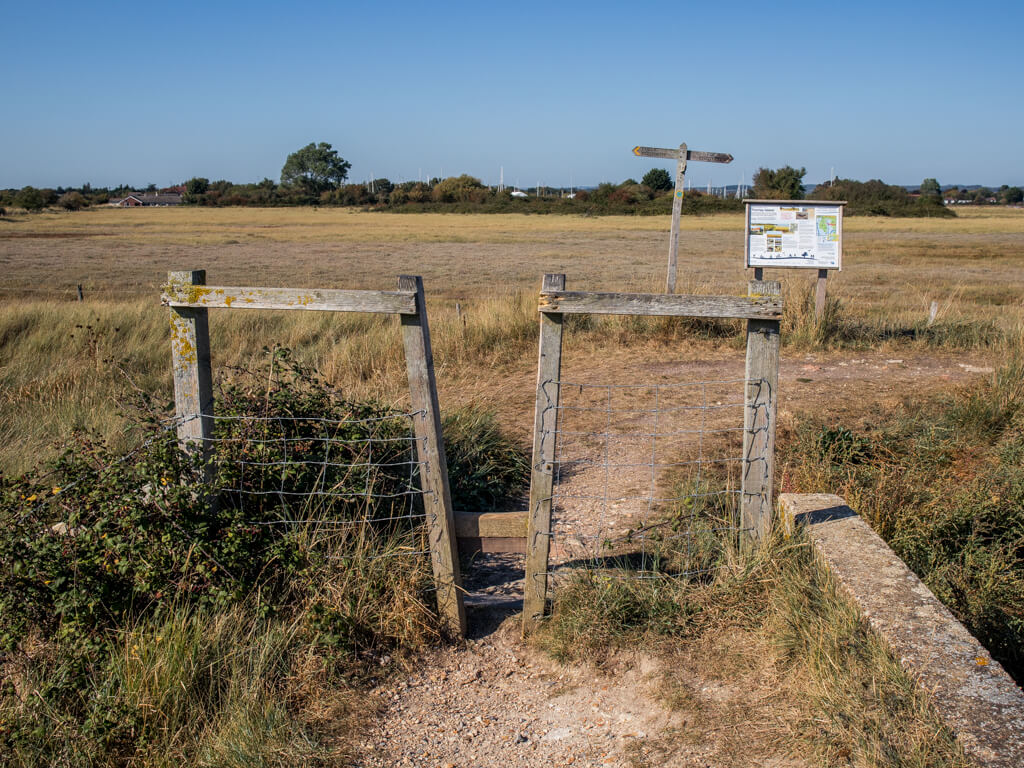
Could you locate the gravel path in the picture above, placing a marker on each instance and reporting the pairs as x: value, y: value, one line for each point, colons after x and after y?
x: 499, y: 703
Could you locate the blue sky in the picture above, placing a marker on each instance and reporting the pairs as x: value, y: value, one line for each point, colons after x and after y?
x: 136, y: 93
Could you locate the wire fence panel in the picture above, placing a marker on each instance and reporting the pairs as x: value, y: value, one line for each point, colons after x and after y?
x: 334, y: 478
x: 646, y: 476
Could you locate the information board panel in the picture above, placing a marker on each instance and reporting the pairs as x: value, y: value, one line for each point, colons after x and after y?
x: 794, y: 233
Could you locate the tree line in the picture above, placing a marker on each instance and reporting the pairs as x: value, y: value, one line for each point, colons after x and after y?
x: 317, y: 175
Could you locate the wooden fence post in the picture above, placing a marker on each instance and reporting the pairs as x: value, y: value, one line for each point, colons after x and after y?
x: 545, y: 427
x: 190, y: 355
x: 762, y: 381
x: 437, y: 497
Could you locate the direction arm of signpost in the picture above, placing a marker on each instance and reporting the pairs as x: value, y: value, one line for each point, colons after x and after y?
x: 672, y: 154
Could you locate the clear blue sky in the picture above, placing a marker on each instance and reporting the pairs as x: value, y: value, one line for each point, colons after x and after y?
x: 111, y: 92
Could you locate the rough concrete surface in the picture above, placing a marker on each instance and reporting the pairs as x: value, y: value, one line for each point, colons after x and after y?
x: 975, y: 696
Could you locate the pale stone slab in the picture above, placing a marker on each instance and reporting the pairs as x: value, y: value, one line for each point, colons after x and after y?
x: 972, y: 692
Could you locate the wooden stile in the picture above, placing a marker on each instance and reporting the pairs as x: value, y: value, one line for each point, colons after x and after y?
x: 437, y: 497
x: 545, y: 428
x: 761, y: 399
x: 190, y: 359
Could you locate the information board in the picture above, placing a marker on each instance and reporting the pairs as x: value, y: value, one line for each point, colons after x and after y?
x: 794, y: 233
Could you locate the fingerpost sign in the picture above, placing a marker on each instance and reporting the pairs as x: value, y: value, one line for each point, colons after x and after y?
x: 681, y: 156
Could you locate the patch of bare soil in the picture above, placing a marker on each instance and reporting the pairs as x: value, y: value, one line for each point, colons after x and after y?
x: 499, y: 703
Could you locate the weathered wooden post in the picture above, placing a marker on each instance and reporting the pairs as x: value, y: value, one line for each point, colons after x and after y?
x: 545, y: 429
x: 437, y: 497
x: 761, y: 400
x: 81, y: 297
x: 819, y: 295
x: 681, y: 156
x: 190, y: 356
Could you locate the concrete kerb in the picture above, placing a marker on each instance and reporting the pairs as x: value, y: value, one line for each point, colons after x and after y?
x: 972, y: 692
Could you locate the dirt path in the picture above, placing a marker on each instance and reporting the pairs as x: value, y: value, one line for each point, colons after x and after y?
x: 497, y: 702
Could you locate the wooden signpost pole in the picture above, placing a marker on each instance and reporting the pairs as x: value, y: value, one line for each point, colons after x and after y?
x: 681, y: 156
x: 819, y: 295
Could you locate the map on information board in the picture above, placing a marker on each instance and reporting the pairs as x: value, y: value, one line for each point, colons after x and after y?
x: 794, y: 233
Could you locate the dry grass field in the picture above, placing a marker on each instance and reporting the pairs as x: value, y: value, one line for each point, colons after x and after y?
x: 827, y: 691
x: 66, y: 365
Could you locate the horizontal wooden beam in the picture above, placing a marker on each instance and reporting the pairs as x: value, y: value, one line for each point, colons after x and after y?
x: 580, y: 303
x: 323, y: 300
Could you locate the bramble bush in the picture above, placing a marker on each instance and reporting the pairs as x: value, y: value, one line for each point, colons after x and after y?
x: 98, y: 542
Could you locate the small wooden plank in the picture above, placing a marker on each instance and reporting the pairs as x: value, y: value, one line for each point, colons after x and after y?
x: 491, y: 525
x: 819, y: 295
x: 324, y: 300
x: 545, y: 427
x: 744, y: 307
x: 762, y: 383
x: 437, y: 497
x: 677, y: 209
x: 190, y: 361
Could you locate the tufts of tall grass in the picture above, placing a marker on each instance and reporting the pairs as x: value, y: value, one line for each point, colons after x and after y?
x: 942, y: 481
x: 855, y: 705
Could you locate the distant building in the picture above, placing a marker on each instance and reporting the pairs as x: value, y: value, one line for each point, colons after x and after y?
x: 148, y: 200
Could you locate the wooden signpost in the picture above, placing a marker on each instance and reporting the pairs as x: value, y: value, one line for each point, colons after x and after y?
x: 681, y: 156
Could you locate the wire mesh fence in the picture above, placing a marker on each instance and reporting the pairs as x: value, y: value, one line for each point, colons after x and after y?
x: 344, y: 477
x: 648, y: 476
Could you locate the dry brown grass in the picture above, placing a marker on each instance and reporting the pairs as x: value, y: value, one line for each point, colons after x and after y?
x: 61, y: 362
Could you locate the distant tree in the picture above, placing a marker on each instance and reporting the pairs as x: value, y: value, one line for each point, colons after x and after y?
x: 197, y: 186
x: 785, y: 183
x: 381, y: 187
x: 31, y: 199
x: 931, y: 188
x: 315, y: 168
x: 455, y: 189
x: 151, y: 188
x: 73, y: 201
x: 658, y: 179
x: 1011, y: 195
